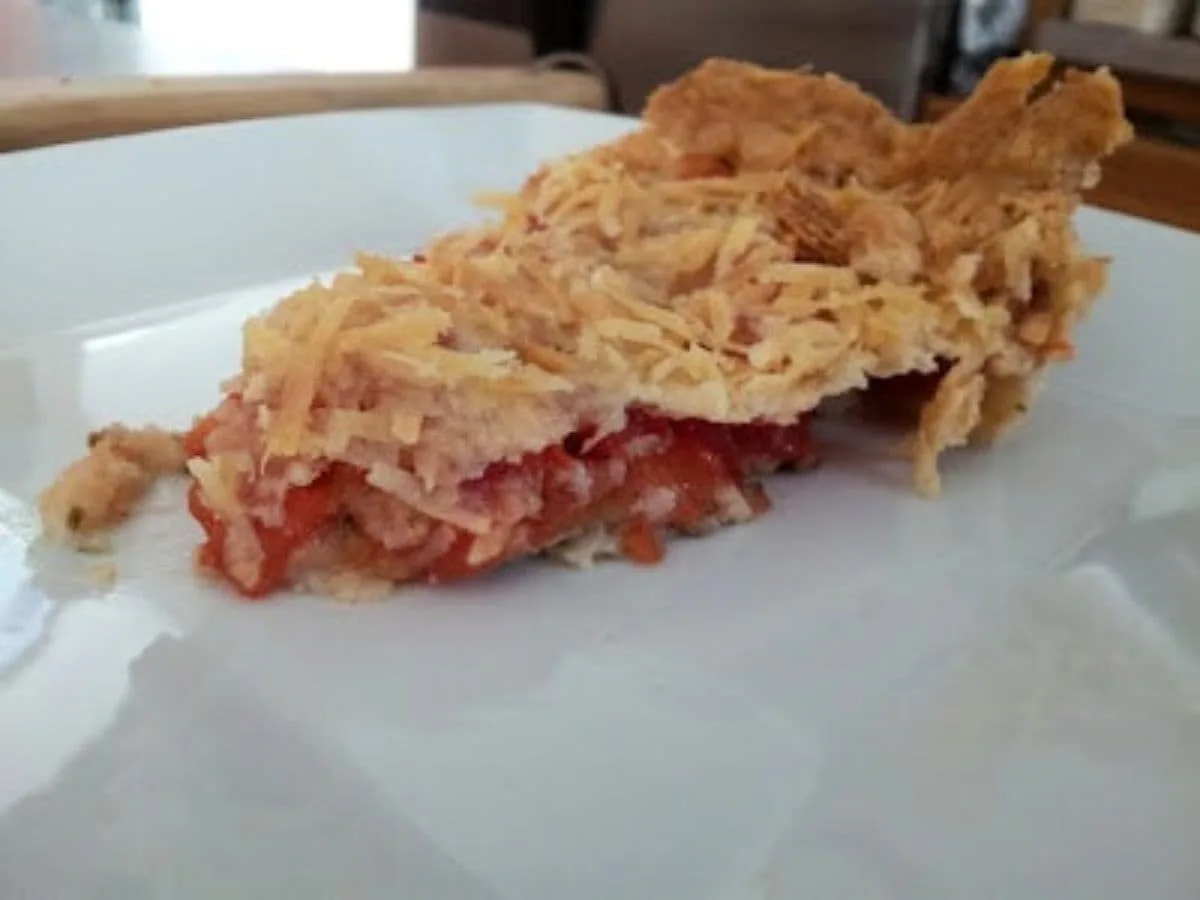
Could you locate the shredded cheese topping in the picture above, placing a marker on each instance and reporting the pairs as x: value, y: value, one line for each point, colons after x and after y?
x: 766, y: 240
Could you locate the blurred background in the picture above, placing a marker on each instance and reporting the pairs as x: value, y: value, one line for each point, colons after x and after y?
x: 918, y: 56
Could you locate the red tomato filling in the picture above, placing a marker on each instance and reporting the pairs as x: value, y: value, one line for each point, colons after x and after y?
x: 654, y: 475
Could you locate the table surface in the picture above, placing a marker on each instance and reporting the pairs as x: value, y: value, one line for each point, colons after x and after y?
x: 69, y: 72
x: 73, y: 37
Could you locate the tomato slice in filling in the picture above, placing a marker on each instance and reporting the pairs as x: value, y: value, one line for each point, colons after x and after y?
x: 655, y: 475
x: 306, y: 510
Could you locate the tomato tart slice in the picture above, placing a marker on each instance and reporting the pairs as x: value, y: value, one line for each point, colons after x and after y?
x: 646, y: 329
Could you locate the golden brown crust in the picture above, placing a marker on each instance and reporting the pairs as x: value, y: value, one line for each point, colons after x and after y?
x: 1008, y: 132
x: 766, y: 120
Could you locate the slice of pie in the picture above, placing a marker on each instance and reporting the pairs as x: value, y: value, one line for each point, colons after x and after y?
x: 648, y: 327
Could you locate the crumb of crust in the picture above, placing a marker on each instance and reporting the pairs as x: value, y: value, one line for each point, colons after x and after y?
x: 152, y: 448
x: 103, y: 575
x: 100, y: 490
x: 347, y: 586
x: 584, y: 549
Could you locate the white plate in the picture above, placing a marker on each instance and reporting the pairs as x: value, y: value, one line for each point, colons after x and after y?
x: 862, y: 695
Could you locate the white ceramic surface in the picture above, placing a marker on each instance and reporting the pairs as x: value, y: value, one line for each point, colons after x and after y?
x: 863, y: 695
